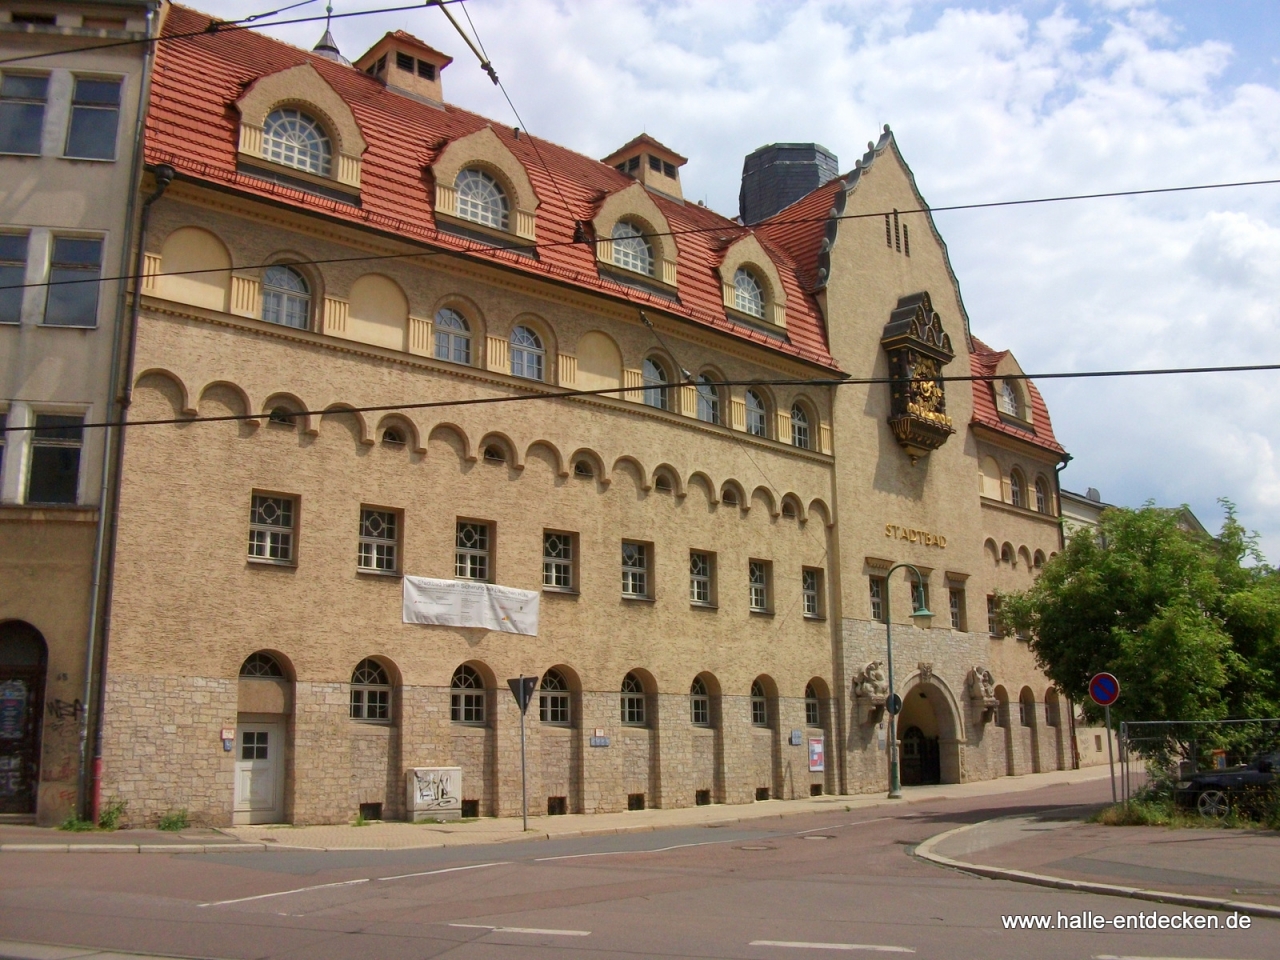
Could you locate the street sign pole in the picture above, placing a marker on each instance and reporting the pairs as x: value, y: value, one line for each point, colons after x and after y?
x: 1104, y: 690
x: 522, y: 690
x: 1111, y: 760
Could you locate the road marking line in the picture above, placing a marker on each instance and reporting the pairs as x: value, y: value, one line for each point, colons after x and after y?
x: 1108, y: 956
x: 841, y: 826
x: 801, y: 945
x: 533, y: 930
x: 284, y: 893
x: 432, y: 873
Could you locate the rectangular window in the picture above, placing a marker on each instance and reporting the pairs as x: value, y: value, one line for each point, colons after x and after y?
x: 271, y: 529
x: 758, y: 585
x: 635, y: 570
x: 812, y: 712
x: 557, y: 561
x: 993, y: 613
x: 404, y: 62
x: 553, y: 707
x: 22, y: 100
x: 701, y: 574
x: 95, y: 115
x: 919, y: 595
x: 957, y: 607
x: 74, y: 270
x: 877, y: 585
x: 54, y: 475
x: 13, y: 274
x: 379, y: 541
x: 700, y: 710
x: 811, y: 592
x: 471, y: 559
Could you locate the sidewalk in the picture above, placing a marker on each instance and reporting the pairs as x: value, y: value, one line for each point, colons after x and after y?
x: 1214, y: 868
x: 399, y: 836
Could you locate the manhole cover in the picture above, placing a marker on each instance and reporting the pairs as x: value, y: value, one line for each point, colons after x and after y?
x: 757, y: 846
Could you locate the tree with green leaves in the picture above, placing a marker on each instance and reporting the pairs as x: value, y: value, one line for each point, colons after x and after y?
x: 1189, y: 624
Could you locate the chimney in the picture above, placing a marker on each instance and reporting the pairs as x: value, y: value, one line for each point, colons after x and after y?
x: 406, y: 65
x: 654, y: 165
x: 777, y: 175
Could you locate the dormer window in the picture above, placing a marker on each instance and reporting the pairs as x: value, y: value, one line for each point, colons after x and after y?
x: 631, y: 250
x: 1009, y: 399
x: 748, y: 294
x: 482, y: 200
x: 296, y: 140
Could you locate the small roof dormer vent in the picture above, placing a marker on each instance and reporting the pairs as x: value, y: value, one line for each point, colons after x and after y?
x: 406, y: 65
x: 654, y: 165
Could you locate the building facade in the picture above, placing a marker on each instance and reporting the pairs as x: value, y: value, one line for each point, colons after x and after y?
x: 368, y: 304
x: 71, y: 89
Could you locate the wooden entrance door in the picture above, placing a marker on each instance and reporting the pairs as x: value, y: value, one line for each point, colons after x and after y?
x: 259, y: 790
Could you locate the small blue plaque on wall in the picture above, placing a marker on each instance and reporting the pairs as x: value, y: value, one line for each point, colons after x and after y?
x: 797, y: 737
x: 599, y: 741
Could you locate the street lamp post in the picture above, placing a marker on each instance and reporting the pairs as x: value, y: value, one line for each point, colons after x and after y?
x: 895, y: 771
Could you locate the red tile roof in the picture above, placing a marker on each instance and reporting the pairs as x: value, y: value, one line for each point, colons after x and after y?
x: 193, y: 125
x: 800, y: 229
x: 982, y: 362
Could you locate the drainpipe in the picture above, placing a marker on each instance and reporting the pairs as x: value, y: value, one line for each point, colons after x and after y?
x: 100, y: 546
x: 1062, y: 545
x: 164, y: 175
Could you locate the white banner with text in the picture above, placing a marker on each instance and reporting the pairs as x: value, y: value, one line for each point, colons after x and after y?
x: 466, y: 603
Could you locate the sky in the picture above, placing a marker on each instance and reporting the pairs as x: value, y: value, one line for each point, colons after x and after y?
x: 988, y: 102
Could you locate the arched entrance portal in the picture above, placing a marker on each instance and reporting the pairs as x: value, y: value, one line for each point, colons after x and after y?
x: 22, y: 665
x: 929, y: 748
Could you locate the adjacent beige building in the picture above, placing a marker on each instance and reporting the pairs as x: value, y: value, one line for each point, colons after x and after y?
x: 369, y: 304
x: 71, y: 85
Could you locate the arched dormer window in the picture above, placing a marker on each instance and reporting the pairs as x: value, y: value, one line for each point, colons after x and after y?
x: 708, y: 399
x: 748, y: 293
x: 528, y: 356
x: 757, y: 415
x: 631, y: 250
x: 286, y: 297
x: 655, y: 382
x: 453, y: 337
x: 1017, y: 488
x: 800, y: 435
x: 482, y: 200
x: 1009, y: 399
x: 370, y: 692
x: 293, y: 138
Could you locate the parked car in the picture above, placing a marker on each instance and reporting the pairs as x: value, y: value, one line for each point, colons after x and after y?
x: 1214, y: 792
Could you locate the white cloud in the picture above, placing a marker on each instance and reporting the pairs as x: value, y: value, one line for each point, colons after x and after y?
x: 987, y: 103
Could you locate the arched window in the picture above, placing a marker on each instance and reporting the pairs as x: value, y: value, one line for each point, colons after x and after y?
x: 1042, y: 496
x: 757, y: 417
x: 370, y: 692
x: 553, y: 700
x: 759, y: 705
x: 1008, y: 398
x: 748, y: 295
x: 584, y: 470
x: 655, y: 379
x: 812, y: 709
x: 631, y: 250
x: 708, y: 399
x: 482, y: 200
x: 1017, y: 489
x: 799, y: 427
x: 393, y: 437
x: 261, y: 665
x: 527, y: 354
x: 281, y: 415
x: 286, y: 298
x: 466, y: 696
x: 453, y: 337
x: 632, y: 700
x: 296, y: 140
x: 699, y: 704
x: 1006, y: 554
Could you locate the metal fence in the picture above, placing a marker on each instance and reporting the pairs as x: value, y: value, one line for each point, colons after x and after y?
x: 1174, y: 749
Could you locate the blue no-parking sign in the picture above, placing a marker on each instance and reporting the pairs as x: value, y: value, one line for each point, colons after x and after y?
x: 1104, y: 688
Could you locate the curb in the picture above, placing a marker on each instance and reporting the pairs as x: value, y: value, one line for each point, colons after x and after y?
x: 925, y: 851
x: 132, y: 847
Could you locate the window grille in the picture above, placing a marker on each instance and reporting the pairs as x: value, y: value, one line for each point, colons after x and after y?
x: 748, y: 295
x: 553, y: 700
x: 292, y: 138
x: 453, y: 337
x: 699, y: 704
x: 757, y: 417
x: 557, y: 561
x: 74, y: 271
x: 527, y: 354
x: 635, y: 571
x: 759, y: 705
x: 631, y: 250
x: 13, y: 273
x: 471, y: 557
x: 95, y: 116
x: 271, y: 529
x: 467, y: 696
x: 286, y: 298
x: 699, y: 578
x: 22, y: 101
x: 370, y: 692
x: 378, y: 541
x: 482, y: 200
x: 632, y: 701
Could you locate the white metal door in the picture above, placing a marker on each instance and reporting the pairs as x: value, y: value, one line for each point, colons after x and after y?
x: 259, y: 773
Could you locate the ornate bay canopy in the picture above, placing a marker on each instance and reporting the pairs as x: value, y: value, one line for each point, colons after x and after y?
x: 918, y: 348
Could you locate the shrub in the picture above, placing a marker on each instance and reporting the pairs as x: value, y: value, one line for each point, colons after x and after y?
x: 175, y: 821
x: 112, y: 814
x: 76, y: 825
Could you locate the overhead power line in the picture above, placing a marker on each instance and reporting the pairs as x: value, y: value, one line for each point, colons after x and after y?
x: 549, y: 244
x: 622, y: 391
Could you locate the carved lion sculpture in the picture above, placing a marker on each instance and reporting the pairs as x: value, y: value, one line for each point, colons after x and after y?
x: 870, y: 682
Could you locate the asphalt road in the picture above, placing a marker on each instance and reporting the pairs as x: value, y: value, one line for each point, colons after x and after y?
x: 809, y: 886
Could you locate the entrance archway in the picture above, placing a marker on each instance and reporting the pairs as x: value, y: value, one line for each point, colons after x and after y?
x: 264, y: 739
x: 23, y: 656
x: 928, y: 736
